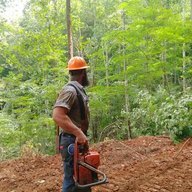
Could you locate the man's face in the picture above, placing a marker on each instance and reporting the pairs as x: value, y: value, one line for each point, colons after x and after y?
x: 85, y: 81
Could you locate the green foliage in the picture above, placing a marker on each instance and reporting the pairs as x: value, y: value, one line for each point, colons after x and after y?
x: 162, y: 113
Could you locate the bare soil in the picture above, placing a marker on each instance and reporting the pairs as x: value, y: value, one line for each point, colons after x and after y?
x: 145, y: 164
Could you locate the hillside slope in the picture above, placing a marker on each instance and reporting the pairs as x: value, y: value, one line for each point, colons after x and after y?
x: 145, y: 164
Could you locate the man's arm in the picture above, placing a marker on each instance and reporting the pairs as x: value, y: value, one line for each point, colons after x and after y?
x: 62, y: 120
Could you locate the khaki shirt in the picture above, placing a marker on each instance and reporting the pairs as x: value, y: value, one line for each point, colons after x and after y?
x: 68, y: 99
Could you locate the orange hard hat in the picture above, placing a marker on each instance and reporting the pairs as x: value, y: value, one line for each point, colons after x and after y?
x: 77, y: 63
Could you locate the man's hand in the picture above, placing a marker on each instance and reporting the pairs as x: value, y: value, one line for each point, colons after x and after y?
x: 81, y: 137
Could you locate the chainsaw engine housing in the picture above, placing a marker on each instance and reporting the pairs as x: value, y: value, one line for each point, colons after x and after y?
x: 86, y: 175
x: 86, y: 165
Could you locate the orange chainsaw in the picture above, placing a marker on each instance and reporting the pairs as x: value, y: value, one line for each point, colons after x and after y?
x: 86, y: 163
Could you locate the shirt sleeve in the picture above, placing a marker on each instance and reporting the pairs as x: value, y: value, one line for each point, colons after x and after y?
x: 66, y: 98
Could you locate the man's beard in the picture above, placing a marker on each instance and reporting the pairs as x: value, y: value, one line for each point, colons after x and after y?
x: 85, y: 81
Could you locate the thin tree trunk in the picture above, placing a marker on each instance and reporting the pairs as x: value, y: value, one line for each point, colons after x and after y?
x: 184, y: 67
x: 183, y: 50
x: 129, y: 135
x: 55, y: 11
x: 95, y: 128
x: 175, y: 70
x: 93, y: 3
x: 164, y: 60
x: 127, y: 106
x: 79, y: 44
x: 106, y: 64
x: 191, y: 9
x: 69, y: 29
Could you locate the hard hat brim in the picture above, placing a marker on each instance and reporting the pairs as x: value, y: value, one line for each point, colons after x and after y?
x: 73, y: 69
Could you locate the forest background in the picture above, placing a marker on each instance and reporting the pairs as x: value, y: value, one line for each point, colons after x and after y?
x: 140, y: 57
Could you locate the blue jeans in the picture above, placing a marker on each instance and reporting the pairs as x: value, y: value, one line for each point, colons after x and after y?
x: 68, y: 181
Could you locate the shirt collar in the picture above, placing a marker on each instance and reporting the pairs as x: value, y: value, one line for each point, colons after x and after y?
x: 77, y: 84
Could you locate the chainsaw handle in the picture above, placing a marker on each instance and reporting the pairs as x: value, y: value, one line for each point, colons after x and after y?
x: 81, y: 148
x: 104, y: 180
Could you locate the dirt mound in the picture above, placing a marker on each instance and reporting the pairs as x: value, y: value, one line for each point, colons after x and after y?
x: 145, y: 164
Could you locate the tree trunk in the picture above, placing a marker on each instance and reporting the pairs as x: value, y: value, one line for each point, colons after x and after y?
x: 191, y: 9
x: 127, y: 106
x: 129, y: 135
x: 105, y: 53
x: 94, y: 126
x: 55, y: 11
x: 184, y: 67
x: 164, y: 61
x: 183, y: 50
x: 69, y: 29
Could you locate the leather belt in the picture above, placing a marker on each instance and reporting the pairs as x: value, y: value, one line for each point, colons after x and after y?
x: 67, y: 134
